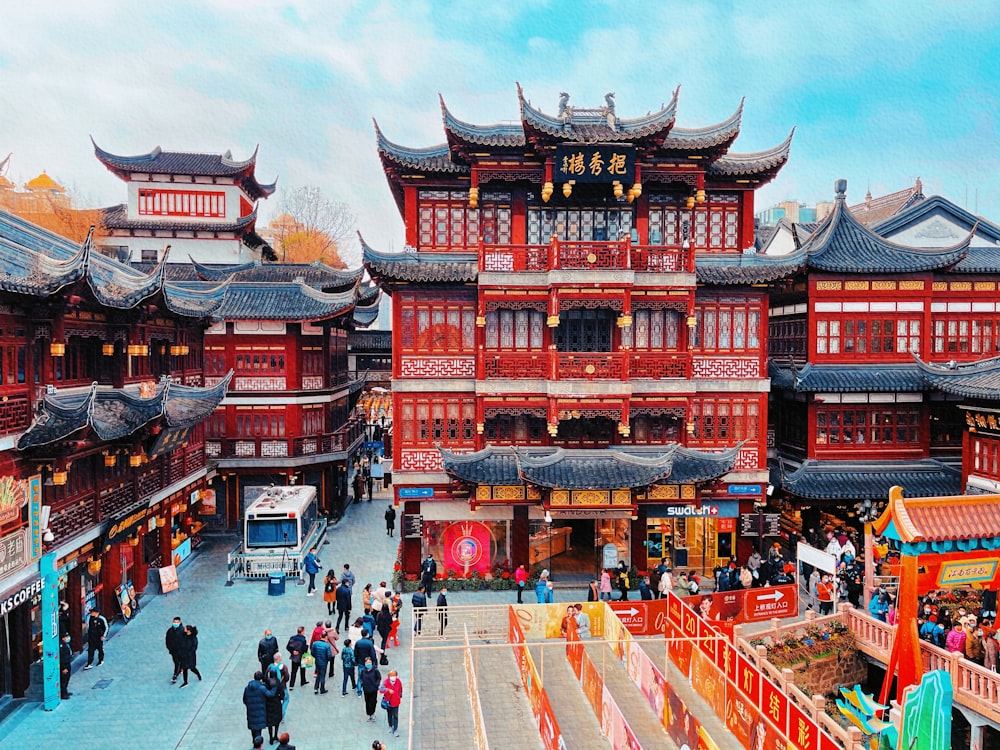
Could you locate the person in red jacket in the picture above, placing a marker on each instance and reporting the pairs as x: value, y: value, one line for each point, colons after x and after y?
x: 392, y: 694
x: 521, y: 579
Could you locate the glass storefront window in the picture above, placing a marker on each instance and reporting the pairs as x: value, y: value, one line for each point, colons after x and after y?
x: 461, y: 547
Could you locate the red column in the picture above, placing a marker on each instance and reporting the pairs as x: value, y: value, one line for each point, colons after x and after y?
x: 746, y: 220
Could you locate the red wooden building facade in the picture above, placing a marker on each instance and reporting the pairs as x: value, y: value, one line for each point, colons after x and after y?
x: 551, y: 305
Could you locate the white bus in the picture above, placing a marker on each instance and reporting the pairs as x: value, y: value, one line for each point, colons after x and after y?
x: 279, y: 529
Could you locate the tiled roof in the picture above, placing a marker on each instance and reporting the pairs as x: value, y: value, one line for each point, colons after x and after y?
x: 369, y: 341
x: 365, y: 315
x: 504, y: 135
x: 979, y: 259
x: 757, y: 165
x: 316, y: 274
x: 433, y: 159
x: 114, y: 413
x: 860, y: 480
x: 420, y: 267
x: 593, y: 125
x: 937, y: 204
x: 841, y: 244
x: 610, y: 468
x: 24, y: 270
x: 116, y: 217
x: 969, y: 379
x: 745, y: 268
x: 286, y: 300
x: 163, y: 162
x: 714, y: 136
x: 867, y: 378
x: 876, y: 210
x: 939, y: 520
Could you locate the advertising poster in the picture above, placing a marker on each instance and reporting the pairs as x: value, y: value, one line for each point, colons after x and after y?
x: 593, y: 685
x: 741, y: 715
x: 168, y: 579
x: 803, y: 732
x: 682, y: 726
x: 774, y: 704
x: 673, y: 608
x: 679, y: 650
x: 652, y: 684
x: 595, y: 611
x: 709, y: 683
x: 574, y: 651
x: 548, y: 729
x: 182, y: 551
x: 747, y: 678
x: 612, y: 721
x: 746, y: 605
x: 641, y: 617
x: 540, y: 621
x: 467, y: 547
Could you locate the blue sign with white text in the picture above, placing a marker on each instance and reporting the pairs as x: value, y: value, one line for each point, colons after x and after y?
x: 410, y: 492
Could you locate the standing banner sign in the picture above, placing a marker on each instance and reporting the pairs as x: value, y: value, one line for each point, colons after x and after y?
x: 168, y: 579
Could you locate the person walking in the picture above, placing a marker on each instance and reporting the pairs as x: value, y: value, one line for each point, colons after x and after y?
x: 541, y: 586
x: 277, y: 678
x: 284, y: 742
x: 330, y: 592
x: 358, y: 486
x: 348, y: 576
x: 311, y: 565
x: 645, y: 592
x: 442, y: 611
x: 364, y: 648
x: 623, y: 582
x: 666, y: 584
x: 521, y: 580
x: 419, y: 603
x: 173, y: 638
x: 390, y: 520
x: 97, y: 631
x: 366, y: 598
x: 255, y: 697
x: 323, y: 655
x: 605, y: 585
x: 331, y: 636
x: 428, y: 572
x: 188, y: 653
x: 267, y: 647
x: 65, y: 666
x: 347, y: 666
x: 392, y: 692
x: 593, y: 592
x: 825, y: 594
x: 343, y: 604
x: 383, y: 624
x: 371, y: 680
x: 296, y: 647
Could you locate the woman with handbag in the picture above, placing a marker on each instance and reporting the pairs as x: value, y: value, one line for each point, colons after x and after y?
x: 392, y: 696
x: 371, y: 680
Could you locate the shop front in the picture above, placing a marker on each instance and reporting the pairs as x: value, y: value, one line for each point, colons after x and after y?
x: 464, y: 543
x: 576, y: 543
x: 691, y: 535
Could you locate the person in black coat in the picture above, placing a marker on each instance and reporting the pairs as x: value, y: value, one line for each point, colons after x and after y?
x: 187, y: 653
x: 275, y: 707
x: 343, y: 595
x: 442, y: 611
x: 266, y: 650
x: 173, y: 638
x: 296, y: 646
x: 390, y: 520
x: 255, y: 696
x: 65, y: 666
x: 371, y: 681
x: 383, y: 623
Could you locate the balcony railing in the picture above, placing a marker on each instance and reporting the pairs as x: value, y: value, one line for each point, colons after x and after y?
x: 552, y: 365
x: 285, y: 447
x: 616, y: 255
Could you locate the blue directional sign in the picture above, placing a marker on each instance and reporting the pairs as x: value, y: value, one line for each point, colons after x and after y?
x: 411, y: 492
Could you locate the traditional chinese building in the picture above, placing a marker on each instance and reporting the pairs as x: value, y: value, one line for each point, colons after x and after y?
x: 575, y: 339
x: 203, y: 205
x: 289, y: 416
x: 853, y: 413
x: 101, y: 432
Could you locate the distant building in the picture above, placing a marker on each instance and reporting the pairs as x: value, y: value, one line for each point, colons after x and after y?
x: 790, y: 210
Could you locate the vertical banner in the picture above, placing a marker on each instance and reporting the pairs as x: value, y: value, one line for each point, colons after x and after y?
x: 709, y: 683
x: 803, y: 732
x: 49, y: 618
x: 35, y: 507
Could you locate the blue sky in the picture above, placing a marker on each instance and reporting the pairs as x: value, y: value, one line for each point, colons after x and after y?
x: 880, y: 92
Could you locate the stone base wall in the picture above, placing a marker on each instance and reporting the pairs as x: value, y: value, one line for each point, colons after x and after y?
x: 826, y: 674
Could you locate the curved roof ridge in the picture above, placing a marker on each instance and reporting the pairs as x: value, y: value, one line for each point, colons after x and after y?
x: 216, y: 274
x: 753, y: 161
x: 431, y: 157
x: 853, y: 247
x: 117, y: 288
x: 721, y: 132
x: 511, y: 134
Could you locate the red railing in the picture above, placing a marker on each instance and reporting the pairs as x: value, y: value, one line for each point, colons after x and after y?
x: 593, y: 255
x: 503, y: 258
x: 588, y: 366
x: 659, y: 259
x: 516, y: 365
x: 285, y: 447
x: 659, y: 366
x: 572, y: 255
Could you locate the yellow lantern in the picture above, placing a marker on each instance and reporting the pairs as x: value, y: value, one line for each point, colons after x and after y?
x: 108, y: 350
x: 547, y: 190
x: 568, y: 189
x: 618, y: 190
x: 57, y: 349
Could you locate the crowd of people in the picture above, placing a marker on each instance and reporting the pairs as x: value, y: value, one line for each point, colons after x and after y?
x: 959, y: 631
x: 362, y: 651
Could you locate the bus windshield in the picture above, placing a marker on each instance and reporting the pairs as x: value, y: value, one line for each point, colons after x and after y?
x: 272, y: 532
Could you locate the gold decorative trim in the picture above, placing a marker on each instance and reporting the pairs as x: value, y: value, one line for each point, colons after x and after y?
x: 828, y: 286
x: 621, y: 497
x: 985, y: 286
x: 883, y: 286
x: 688, y: 492
x: 911, y: 285
x: 483, y: 492
x: 940, y: 286
x: 855, y: 286
x: 559, y: 497
x: 961, y: 286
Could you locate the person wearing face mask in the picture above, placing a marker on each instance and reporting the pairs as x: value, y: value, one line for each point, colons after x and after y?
x: 175, y: 634
x: 392, y: 696
x: 825, y: 594
x: 371, y: 680
x: 65, y: 666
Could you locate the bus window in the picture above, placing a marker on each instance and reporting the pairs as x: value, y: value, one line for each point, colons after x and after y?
x: 272, y: 532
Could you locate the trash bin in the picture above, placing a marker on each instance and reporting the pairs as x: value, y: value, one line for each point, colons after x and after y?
x: 276, y: 584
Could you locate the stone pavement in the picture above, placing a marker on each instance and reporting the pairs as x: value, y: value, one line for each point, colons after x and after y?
x: 130, y: 702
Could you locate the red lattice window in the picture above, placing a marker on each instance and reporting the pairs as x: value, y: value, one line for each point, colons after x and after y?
x: 261, y: 362
x: 965, y: 335
x: 260, y: 421
x: 515, y: 330
x: 437, y: 325
x: 867, y: 425
x: 986, y: 456
x: 445, y: 220
x: 874, y: 338
x: 725, y: 421
x: 182, y: 203
x: 727, y: 325
x: 444, y: 420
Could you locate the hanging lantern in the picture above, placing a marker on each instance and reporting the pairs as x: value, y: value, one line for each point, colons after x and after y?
x: 135, y: 460
x: 690, y: 201
x: 473, y: 197
x: 60, y: 477
x: 700, y: 196
x: 617, y: 189
x: 138, y: 350
x: 110, y: 459
x: 57, y: 349
x: 94, y: 567
x: 108, y: 350
x: 637, y: 189
x: 568, y: 189
x: 547, y: 190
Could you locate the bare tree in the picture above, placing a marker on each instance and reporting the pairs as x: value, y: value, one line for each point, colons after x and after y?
x: 312, y: 227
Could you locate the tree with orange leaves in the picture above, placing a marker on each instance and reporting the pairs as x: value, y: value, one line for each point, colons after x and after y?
x: 312, y: 227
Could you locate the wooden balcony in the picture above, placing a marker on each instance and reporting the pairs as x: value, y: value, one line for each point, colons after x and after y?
x: 591, y: 366
x: 285, y: 447
x: 660, y: 366
x: 619, y: 255
x: 551, y: 365
x: 516, y: 365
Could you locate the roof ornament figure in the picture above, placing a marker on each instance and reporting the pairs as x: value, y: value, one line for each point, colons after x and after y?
x: 840, y: 188
x: 609, y: 110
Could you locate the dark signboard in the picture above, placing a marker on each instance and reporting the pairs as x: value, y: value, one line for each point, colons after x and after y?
x: 413, y: 526
x: 170, y: 438
x: 750, y: 524
x: 584, y: 162
x: 982, y: 421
